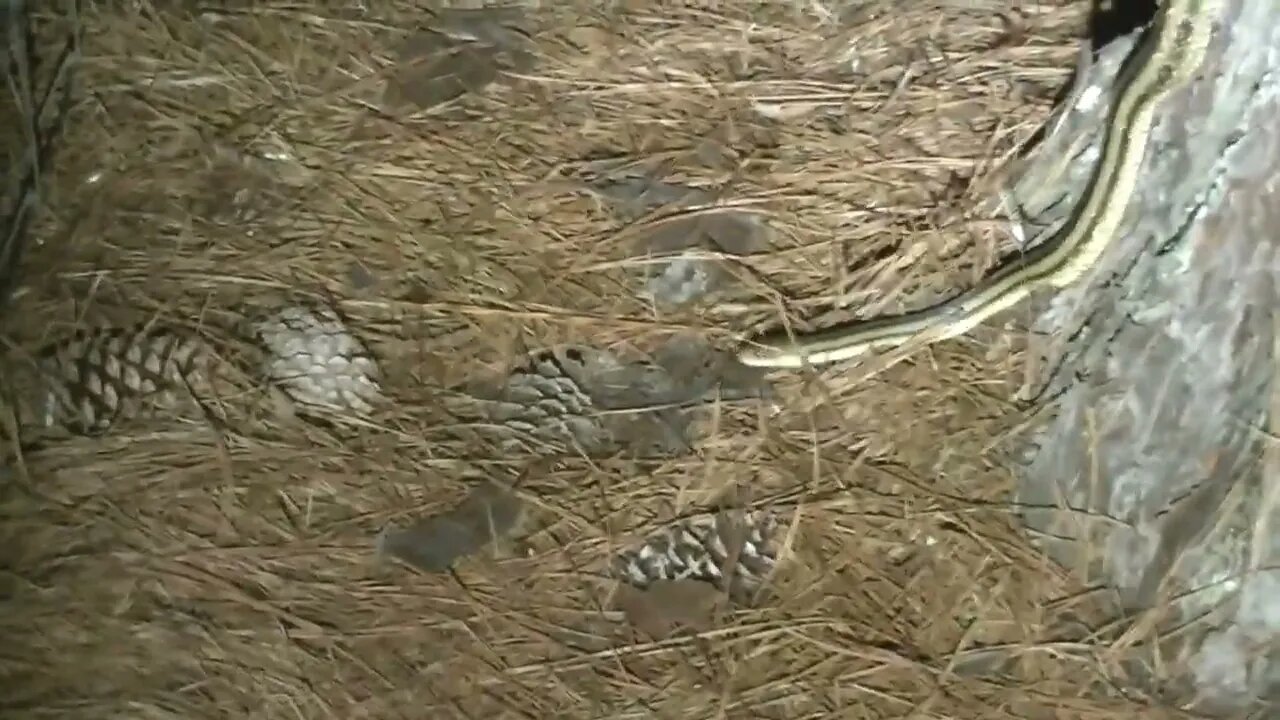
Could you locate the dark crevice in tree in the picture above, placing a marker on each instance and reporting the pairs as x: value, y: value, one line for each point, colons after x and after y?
x: 1111, y: 19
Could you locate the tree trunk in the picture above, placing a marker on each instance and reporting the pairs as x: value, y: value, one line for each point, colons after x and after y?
x: 1155, y: 476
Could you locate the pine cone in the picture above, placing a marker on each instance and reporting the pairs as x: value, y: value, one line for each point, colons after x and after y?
x: 100, y: 377
x: 318, y: 362
x: 547, y: 398
x: 699, y: 548
x: 580, y: 399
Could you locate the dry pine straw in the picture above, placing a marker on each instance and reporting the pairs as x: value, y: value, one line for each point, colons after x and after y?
x: 172, y: 576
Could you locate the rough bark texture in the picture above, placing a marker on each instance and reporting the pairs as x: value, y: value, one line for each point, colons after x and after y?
x: 1154, y: 477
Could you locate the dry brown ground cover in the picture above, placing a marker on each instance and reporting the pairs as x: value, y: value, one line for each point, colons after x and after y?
x: 219, y: 158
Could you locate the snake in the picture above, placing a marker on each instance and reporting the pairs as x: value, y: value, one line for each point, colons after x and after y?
x: 1169, y: 54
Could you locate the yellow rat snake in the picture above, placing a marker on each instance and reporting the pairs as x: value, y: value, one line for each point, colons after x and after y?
x: 1169, y: 54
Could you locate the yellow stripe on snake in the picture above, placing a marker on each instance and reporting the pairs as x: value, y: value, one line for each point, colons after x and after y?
x: 1169, y: 54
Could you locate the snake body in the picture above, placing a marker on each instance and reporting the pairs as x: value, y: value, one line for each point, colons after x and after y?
x: 1169, y: 54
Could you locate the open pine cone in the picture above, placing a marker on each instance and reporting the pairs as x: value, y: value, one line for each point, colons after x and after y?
x: 701, y: 548
x: 99, y: 377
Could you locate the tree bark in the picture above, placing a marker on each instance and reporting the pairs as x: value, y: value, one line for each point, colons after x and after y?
x: 1155, y: 475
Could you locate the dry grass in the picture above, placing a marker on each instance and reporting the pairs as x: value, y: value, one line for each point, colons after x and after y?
x: 167, y: 575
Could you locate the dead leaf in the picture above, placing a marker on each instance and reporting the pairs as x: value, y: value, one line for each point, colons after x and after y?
x: 667, y: 606
x: 687, y: 277
x: 465, y: 53
x: 441, y: 74
x: 434, y: 544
